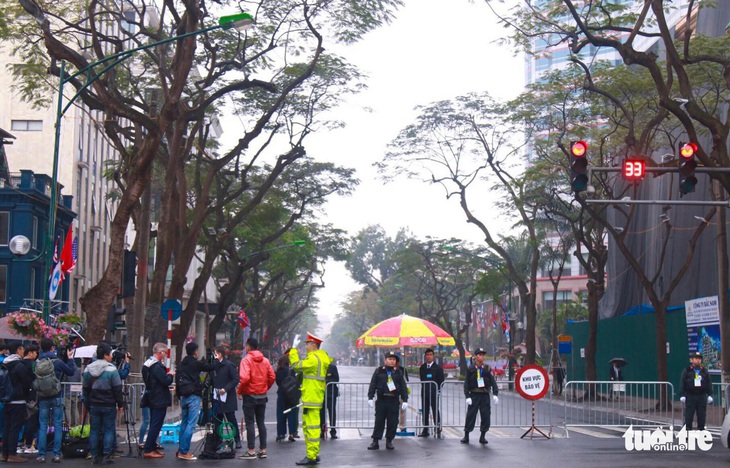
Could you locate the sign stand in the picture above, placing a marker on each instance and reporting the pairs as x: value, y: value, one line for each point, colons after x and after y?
x: 534, y: 428
x: 532, y: 384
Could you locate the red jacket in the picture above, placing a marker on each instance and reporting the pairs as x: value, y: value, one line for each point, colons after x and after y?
x: 256, y: 376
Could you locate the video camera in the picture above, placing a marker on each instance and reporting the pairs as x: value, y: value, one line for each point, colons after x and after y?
x: 120, y: 355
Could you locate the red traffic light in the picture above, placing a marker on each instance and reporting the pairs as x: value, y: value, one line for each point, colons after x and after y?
x: 633, y: 169
x: 688, y: 150
x: 579, y: 148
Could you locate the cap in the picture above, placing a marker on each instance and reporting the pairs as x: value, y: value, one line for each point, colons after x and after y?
x: 393, y: 355
x: 479, y: 351
x: 696, y: 355
x: 311, y: 337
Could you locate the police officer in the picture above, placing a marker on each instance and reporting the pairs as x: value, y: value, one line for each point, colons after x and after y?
x: 430, y: 372
x: 476, y: 390
x: 314, y: 370
x: 389, y: 384
x: 695, y: 391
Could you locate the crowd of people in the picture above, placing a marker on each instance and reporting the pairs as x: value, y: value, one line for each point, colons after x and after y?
x: 33, y: 398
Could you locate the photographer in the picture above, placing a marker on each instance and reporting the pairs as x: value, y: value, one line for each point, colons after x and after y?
x: 190, y: 391
x: 62, y: 365
x: 121, y: 360
x: 157, y: 395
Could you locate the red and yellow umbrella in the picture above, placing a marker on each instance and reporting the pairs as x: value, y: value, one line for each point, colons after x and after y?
x: 404, y: 330
x: 456, y: 353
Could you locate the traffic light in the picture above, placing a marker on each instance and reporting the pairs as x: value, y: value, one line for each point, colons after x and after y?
x: 115, y: 319
x: 578, y: 166
x: 687, y: 166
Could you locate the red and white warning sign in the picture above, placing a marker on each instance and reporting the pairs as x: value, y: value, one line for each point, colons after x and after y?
x: 532, y: 382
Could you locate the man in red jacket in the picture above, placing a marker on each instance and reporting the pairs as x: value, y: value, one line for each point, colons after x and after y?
x: 256, y: 378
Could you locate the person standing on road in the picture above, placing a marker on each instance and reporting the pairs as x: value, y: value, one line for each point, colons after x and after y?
x: 21, y: 379
x: 478, y: 381
x: 102, y: 394
x: 314, y: 371
x: 62, y: 365
x: 225, y: 403
x: 256, y: 377
x: 330, y: 404
x: 157, y: 383
x: 190, y: 391
x: 284, y: 420
x: 390, y: 385
x: 695, y: 391
x: 430, y: 372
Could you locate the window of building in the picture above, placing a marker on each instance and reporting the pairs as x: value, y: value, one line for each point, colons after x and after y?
x: 27, y: 125
x: 561, y: 297
x: 34, y: 236
x: 32, y: 283
x: 3, y: 283
x: 4, y: 227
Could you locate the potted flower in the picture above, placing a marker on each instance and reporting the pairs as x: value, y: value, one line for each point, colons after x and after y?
x: 27, y: 324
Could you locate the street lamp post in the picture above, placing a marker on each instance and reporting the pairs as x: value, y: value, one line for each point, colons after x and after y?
x: 239, y: 21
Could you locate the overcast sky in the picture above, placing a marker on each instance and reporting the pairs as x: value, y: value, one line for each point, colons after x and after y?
x: 431, y: 52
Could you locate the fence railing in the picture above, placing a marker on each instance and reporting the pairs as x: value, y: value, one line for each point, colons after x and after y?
x: 620, y: 404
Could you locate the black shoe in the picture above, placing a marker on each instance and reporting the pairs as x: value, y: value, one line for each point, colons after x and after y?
x: 374, y: 445
x: 482, y: 439
x: 389, y: 444
x: 107, y: 460
x: 306, y: 462
x: 333, y: 436
x: 239, y: 446
x: 424, y: 434
x: 465, y: 440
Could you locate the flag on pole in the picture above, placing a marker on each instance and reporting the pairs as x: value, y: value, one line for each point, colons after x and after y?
x: 243, y: 320
x: 505, y: 325
x: 56, y: 278
x: 68, y: 259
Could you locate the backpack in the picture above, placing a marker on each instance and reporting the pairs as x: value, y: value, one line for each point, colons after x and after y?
x: 215, y: 448
x: 6, y: 387
x: 46, y: 384
x: 185, y: 386
x: 291, y: 388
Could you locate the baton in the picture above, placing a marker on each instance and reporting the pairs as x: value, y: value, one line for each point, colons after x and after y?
x: 286, y: 411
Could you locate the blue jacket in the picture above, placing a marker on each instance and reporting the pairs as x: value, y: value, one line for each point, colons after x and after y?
x: 102, y: 385
x: 61, y: 368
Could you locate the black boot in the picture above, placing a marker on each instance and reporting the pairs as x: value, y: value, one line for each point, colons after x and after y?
x: 465, y: 440
x: 482, y: 439
x: 333, y: 434
x: 389, y: 444
x: 424, y: 433
x: 374, y: 445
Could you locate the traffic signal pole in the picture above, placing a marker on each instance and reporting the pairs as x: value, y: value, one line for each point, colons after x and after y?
x: 660, y: 170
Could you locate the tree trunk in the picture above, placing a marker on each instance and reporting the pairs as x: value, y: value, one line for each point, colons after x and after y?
x: 136, y: 327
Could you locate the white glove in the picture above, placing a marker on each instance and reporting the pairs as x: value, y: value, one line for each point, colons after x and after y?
x: 295, y: 342
x: 371, y: 403
x: 682, y: 399
x: 404, y: 406
x: 495, y: 399
x: 709, y: 400
x: 468, y: 402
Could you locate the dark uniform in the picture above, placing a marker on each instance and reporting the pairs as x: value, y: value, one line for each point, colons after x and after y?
x: 330, y: 401
x: 696, y: 386
x: 387, y: 404
x: 476, y: 386
x: 429, y: 394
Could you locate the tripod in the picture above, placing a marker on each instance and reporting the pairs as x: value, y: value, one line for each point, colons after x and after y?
x: 131, y: 433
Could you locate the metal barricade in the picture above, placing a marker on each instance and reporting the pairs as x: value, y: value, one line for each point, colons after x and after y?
x: 719, y: 408
x: 352, y: 410
x: 618, y: 404
x: 511, y: 411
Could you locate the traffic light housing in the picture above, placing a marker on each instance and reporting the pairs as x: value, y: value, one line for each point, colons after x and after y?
x: 116, y: 319
x: 687, y: 166
x: 578, y: 166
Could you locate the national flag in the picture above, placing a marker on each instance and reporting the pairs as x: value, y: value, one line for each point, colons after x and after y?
x: 243, y: 320
x: 505, y: 325
x: 68, y: 260
x: 56, y: 278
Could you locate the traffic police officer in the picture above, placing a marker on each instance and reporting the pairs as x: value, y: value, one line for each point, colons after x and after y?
x: 389, y: 384
x: 314, y: 371
x: 478, y: 381
x: 430, y: 372
x: 695, y: 390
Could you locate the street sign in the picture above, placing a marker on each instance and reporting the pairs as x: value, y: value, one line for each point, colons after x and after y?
x: 171, y: 304
x: 565, y: 344
x: 532, y: 382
